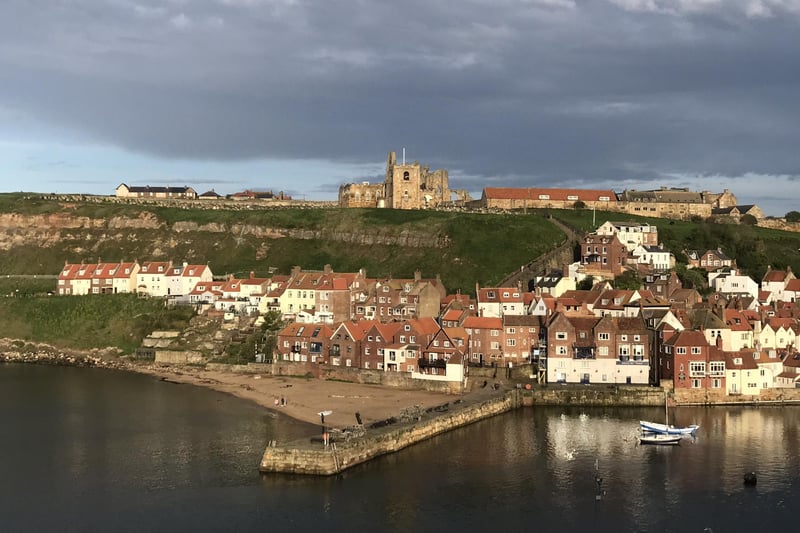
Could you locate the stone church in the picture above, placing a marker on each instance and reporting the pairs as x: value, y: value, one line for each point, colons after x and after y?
x: 407, y: 186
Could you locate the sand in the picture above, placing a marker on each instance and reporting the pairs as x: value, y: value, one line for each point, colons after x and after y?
x: 305, y: 398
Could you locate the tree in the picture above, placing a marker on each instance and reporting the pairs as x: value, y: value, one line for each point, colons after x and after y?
x: 793, y: 216
x: 585, y: 284
x: 628, y: 280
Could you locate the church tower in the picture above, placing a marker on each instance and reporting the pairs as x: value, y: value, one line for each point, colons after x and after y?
x: 403, y: 184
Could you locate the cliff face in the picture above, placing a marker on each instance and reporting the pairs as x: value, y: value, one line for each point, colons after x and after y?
x: 50, y: 230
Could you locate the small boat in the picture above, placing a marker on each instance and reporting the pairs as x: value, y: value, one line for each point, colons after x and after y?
x: 659, y: 438
x: 664, y: 429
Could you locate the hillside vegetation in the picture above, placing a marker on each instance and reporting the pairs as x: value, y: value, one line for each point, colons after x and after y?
x: 480, y: 248
x: 85, y: 322
x: 753, y: 248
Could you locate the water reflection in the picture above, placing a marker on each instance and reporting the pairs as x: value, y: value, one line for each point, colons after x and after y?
x: 99, y: 450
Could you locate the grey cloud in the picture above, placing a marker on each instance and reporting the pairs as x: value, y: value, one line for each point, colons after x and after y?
x: 546, y: 92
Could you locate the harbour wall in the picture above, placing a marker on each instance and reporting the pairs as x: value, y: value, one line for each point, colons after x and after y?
x: 318, y: 459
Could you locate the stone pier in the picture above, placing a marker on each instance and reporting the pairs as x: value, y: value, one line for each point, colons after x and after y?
x: 317, y: 459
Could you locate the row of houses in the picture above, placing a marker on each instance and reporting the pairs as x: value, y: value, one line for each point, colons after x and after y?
x: 148, y: 192
x: 598, y: 336
x: 665, y: 202
x: 153, y: 278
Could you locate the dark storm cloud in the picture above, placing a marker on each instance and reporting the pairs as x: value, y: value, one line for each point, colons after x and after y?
x: 502, y: 92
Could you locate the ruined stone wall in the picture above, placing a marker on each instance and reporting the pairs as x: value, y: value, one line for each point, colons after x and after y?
x: 361, y: 195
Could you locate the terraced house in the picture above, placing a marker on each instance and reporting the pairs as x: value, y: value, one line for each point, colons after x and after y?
x: 607, y: 350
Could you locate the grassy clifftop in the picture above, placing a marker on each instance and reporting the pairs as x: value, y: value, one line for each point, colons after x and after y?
x: 478, y: 247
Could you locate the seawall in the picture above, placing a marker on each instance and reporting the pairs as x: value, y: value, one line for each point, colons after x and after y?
x: 317, y: 459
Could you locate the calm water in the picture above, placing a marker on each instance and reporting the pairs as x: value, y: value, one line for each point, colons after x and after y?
x: 94, y: 450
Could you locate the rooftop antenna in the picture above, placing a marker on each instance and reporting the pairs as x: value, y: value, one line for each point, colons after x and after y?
x: 404, y: 155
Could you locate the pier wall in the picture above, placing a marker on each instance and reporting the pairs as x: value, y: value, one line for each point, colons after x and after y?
x: 599, y: 396
x: 317, y: 459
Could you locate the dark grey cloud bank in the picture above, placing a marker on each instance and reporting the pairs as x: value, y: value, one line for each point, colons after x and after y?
x: 503, y: 92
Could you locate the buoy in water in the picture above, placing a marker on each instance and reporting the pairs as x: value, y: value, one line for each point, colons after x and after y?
x: 750, y: 478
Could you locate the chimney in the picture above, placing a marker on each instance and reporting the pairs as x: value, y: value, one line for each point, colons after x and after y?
x: 252, y: 274
x: 417, y: 275
x: 362, y: 272
x: 296, y: 270
x: 327, y: 269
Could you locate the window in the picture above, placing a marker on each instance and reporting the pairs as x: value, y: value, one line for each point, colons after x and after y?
x: 511, y: 331
x: 561, y: 335
x: 544, y: 197
x: 572, y: 197
x: 697, y: 368
x: 561, y: 350
x: 511, y: 342
x: 695, y: 350
x: 680, y: 350
x: 603, y: 336
x: 602, y: 350
x: 717, y: 368
x: 623, y: 337
x: 696, y: 383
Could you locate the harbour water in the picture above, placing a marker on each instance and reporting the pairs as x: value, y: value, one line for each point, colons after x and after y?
x: 97, y: 450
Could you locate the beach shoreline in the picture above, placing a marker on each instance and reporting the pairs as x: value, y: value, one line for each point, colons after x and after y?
x: 301, y: 398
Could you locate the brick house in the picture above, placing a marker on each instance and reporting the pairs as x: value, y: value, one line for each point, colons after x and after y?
x: 377, y: 337
x: 603, y: 256
x: 694, y: 363
x: 345, y: 346
x: 485, y: 335
x: 304, y: 342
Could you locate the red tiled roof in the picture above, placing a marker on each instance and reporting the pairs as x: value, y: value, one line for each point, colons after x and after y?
x: 482, y: 322
x: 774, y: 276
x: 510, y: 193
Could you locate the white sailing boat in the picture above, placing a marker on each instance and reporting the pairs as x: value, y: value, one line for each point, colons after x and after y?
x: 666, y: 428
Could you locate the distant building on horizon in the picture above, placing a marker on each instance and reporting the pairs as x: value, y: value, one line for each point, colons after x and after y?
x: 164, y: 193
x: 406, y: 186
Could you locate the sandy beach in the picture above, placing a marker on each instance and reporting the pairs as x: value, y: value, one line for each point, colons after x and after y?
x: 305, y: 398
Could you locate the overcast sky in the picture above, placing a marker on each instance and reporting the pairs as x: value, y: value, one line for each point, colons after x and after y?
x: 304, y: 95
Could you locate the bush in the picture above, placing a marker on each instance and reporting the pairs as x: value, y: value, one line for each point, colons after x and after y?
x: 748, y: 220
x: 793, y: 216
